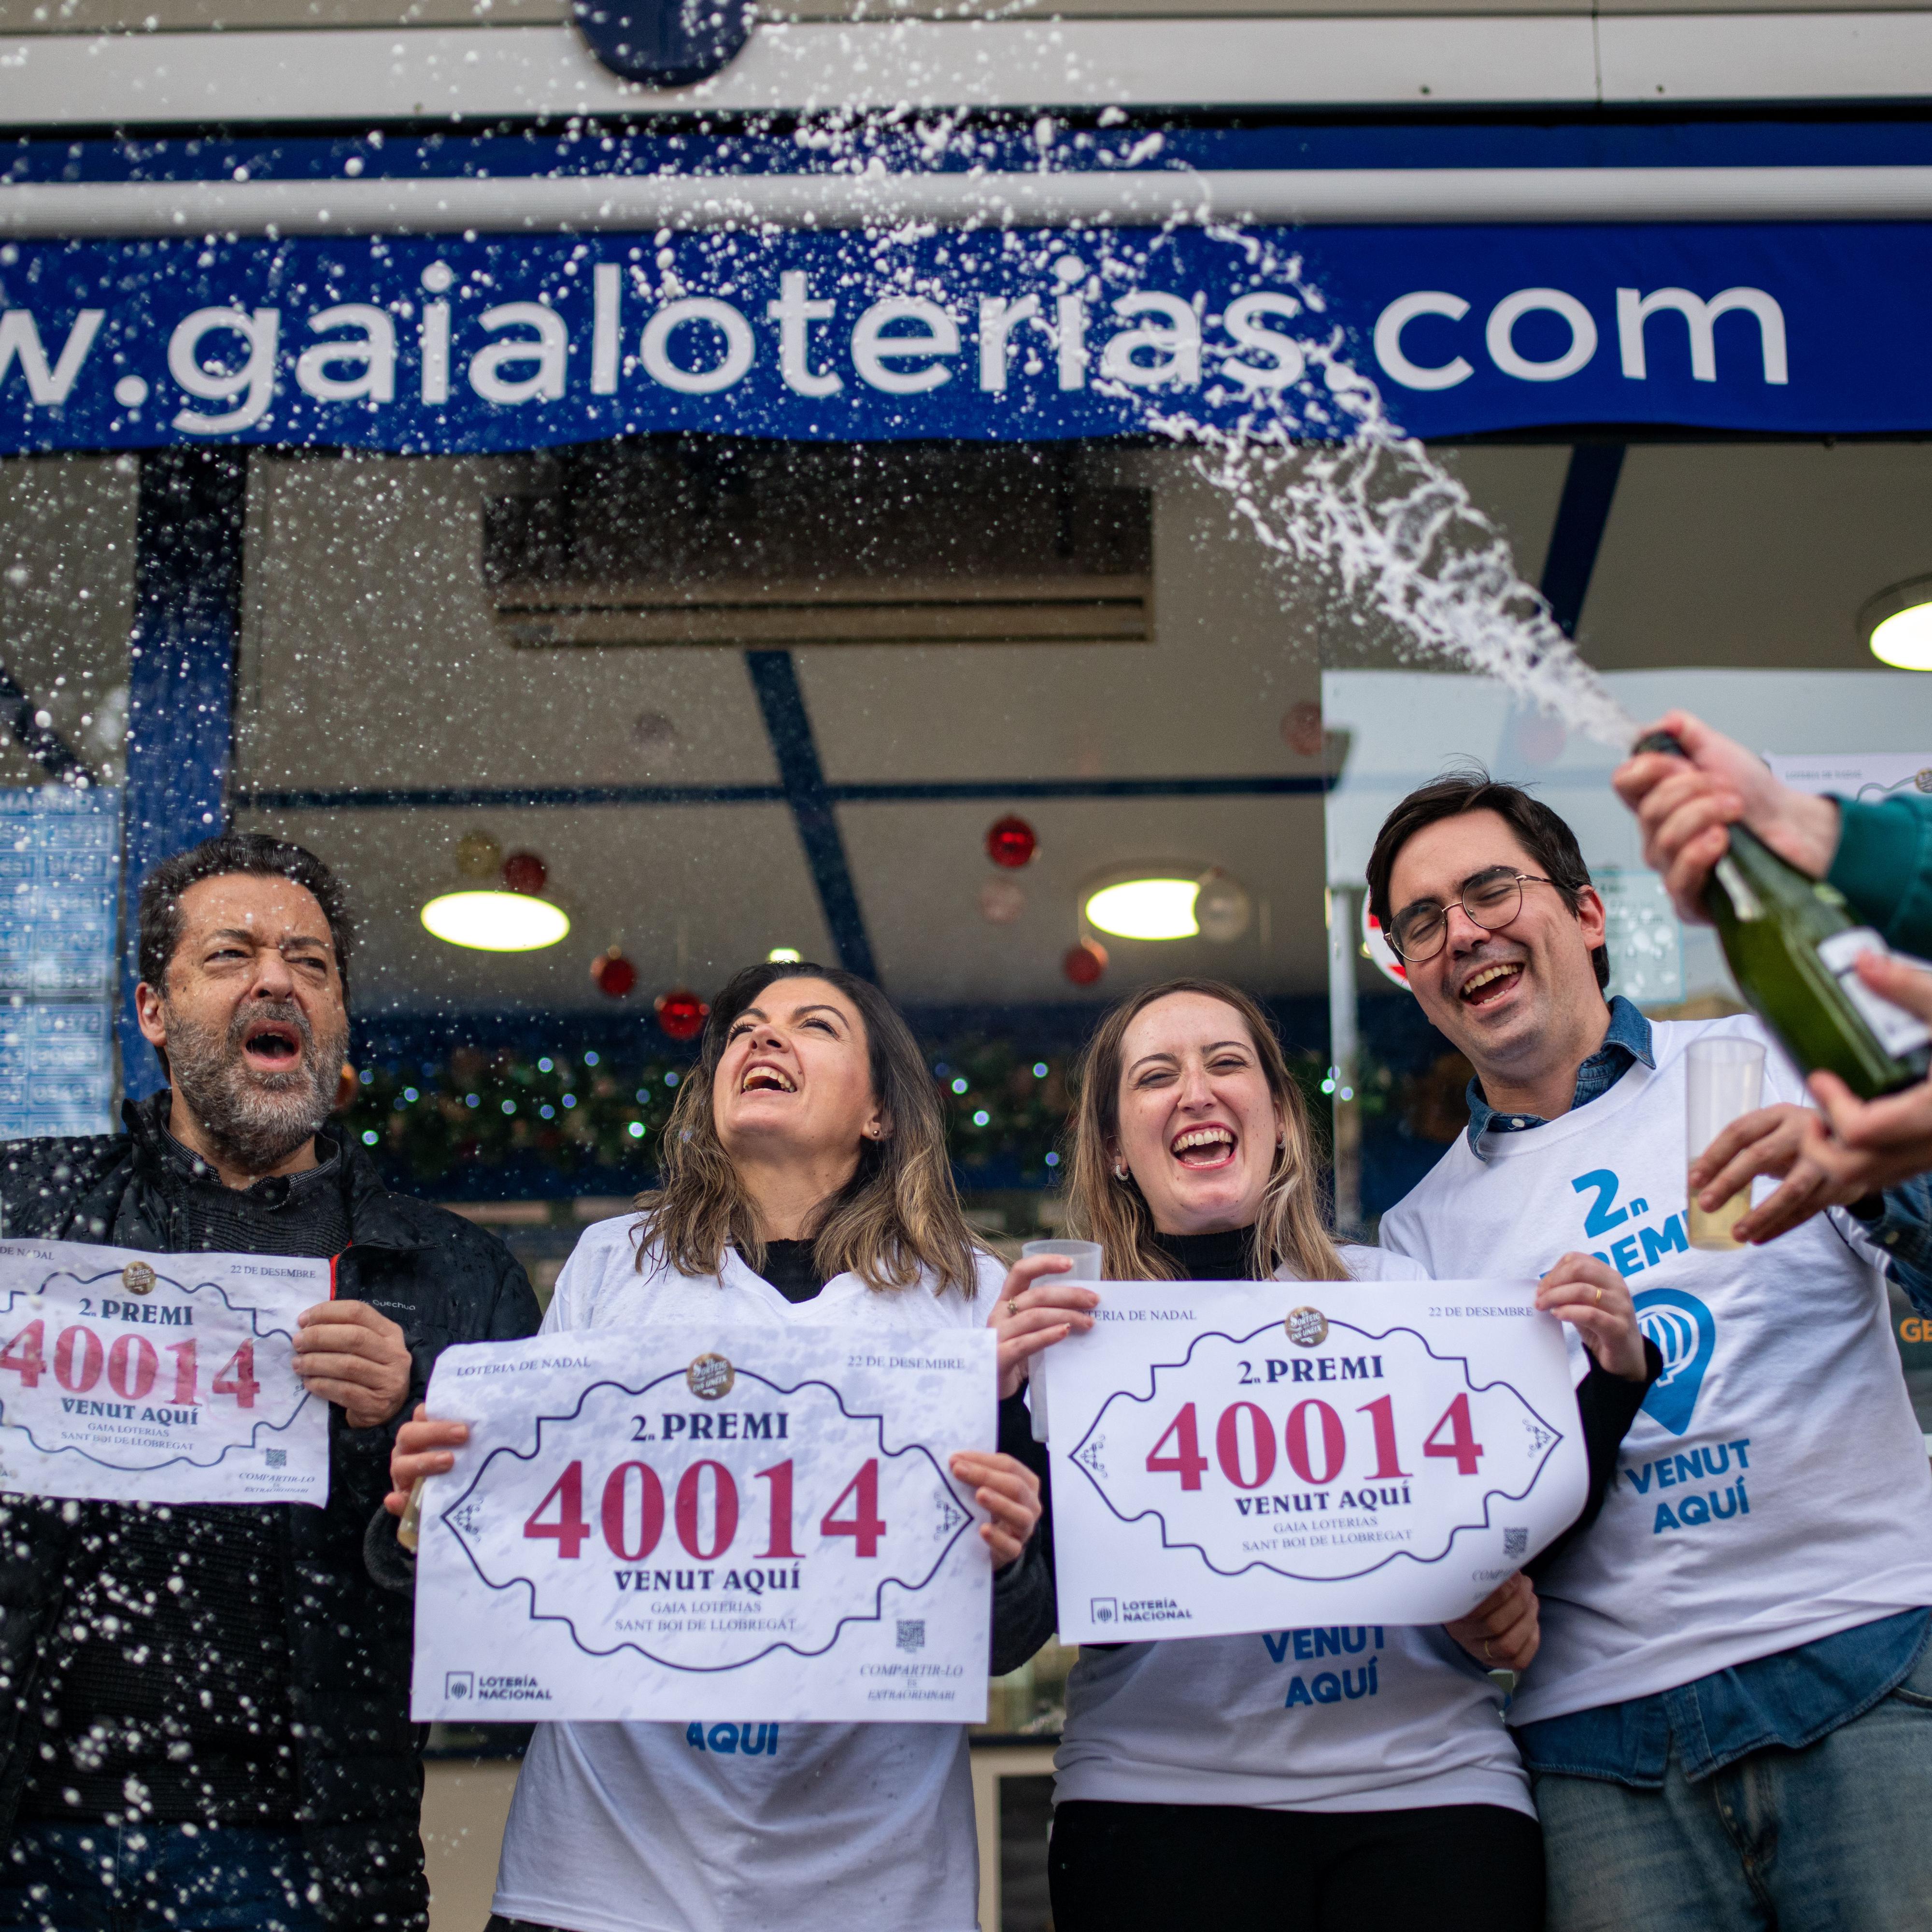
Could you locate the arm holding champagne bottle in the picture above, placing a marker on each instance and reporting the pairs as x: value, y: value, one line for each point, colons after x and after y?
x: 1858, y: 1148
x: 1878, y: 854
x: 1687, y: 806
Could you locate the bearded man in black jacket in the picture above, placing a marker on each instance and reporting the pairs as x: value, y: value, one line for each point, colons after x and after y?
x: 204, y: 1718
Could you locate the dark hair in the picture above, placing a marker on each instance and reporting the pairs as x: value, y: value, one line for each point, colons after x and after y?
x: 254, y: 853
x: 1540, y: 832
x: 899, y: 1212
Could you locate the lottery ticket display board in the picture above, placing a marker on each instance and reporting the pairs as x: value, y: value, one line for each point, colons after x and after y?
x: 1239, y: 1457
x: 669, y: 1522
x: 60, y: 874
x: 127, y: 1377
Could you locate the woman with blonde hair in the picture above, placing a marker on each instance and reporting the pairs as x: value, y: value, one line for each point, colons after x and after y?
x: 804, y: 1179
x: 1224, y: 1779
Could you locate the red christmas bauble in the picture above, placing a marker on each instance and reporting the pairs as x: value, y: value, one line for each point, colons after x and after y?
x: 681, y: 1013
x: 614, y: 974
x: 525, y: 872
x: 1011, y: 842
x: 1085, y: 963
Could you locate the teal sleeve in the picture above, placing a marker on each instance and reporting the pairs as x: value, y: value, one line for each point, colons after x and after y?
x: 1883, y: 865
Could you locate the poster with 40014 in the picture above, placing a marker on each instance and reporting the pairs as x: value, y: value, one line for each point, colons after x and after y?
x: 646, y: 1522
x: 163, y: 1378
x: 1255, y: 1456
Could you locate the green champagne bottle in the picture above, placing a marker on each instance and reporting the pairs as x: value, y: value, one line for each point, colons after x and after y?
x: 1792, y: 942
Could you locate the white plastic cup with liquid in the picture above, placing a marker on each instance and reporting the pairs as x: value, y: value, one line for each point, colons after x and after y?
x: 1723, y: 1079
x: 1085, y: 1256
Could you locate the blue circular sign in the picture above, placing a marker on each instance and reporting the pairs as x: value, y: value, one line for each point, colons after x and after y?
x: 665, y: 43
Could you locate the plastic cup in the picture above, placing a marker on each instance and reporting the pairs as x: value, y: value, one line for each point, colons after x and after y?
x: 1086, y: 1258
x: 1724, y: 1079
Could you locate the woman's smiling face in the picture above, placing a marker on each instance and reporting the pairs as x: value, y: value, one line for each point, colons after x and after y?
x: 795, y: 1076
x: 1199, y: 1126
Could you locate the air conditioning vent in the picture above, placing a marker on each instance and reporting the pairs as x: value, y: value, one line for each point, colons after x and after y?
x: 723, y: 542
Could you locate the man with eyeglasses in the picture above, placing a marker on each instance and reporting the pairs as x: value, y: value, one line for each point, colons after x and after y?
x: 1729, y: 1725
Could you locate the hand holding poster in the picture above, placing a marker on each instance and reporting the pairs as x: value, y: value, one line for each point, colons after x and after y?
x: 127, y: 1377
x: 1241, y: 1457
x: 645, y: 1521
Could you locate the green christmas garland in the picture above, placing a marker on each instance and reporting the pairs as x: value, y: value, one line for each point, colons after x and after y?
x: 1006, y: 1110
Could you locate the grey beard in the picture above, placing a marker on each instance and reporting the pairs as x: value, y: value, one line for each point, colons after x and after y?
x: 255, y: 1121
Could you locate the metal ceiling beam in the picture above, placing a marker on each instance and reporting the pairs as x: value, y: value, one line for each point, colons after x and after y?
x: 188, y: 592
x: 1582, y: 515
x: 775, y: 678
x: 41, y: 742
x: 938, y: 791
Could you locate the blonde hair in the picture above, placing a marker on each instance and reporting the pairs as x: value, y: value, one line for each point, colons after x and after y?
x: 1101, y: 1206
x: 897, y: 1215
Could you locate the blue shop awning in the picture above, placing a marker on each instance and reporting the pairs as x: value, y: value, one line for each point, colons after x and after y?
x: 362, y: 299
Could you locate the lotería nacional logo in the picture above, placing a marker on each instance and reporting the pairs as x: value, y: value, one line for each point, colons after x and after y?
x: 710, y: 1378
x: 1307, y: 1328
x: 1105, y: 1610
x: 458, y: 1684
x: 137, y: 1278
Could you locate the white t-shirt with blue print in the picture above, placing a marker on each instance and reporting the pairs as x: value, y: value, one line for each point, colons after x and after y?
x: 728, y: 1821
x: 1775, y: 1488
x: 1354, y: 1718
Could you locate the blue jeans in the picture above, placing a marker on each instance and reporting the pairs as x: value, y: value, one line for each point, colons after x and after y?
x: 155, y: 1878
x: 1831, y: 1838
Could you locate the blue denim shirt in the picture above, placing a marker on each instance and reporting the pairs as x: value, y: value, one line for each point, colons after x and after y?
x: 1794, y: 1697
x: 1627, y: 1042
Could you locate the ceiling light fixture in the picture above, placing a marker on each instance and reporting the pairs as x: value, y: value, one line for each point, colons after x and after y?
x: 1150, y: 908
x: 494, y: 922
x: 1897, y: 624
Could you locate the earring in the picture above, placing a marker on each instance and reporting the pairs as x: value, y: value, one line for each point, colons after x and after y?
x: 1120, y: 1170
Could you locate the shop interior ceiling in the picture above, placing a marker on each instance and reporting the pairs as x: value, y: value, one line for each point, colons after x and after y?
x: 374, y: 659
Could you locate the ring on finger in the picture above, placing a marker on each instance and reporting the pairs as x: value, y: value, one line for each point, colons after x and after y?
x: 1013, y: 1305
x: 1489, y: 1655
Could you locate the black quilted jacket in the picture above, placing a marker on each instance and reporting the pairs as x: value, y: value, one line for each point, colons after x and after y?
x: 359, y: 1772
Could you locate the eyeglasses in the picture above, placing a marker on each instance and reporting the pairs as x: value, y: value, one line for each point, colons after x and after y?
x: 1491, y: 899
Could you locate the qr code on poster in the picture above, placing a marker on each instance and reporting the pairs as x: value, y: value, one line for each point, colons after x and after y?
x: 1516, y: 1543
x: 276, y: 1459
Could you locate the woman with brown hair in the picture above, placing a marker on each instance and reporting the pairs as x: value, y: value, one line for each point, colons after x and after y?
x: 804, y: 1177
x: 1219, y: 1779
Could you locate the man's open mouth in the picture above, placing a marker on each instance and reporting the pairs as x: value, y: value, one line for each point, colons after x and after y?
x: 1490, y: 982
x: 766, y: 1080
x: 1204, y: 1146
x: 273, y: 1043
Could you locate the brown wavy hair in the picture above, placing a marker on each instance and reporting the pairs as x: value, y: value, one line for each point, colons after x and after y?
x: 899, y: 1212
x: 1290, y: 1227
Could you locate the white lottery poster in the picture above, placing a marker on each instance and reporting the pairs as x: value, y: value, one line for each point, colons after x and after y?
x: 1239, y: 1457
x: 127, y: 1377
x: 752, y: 1522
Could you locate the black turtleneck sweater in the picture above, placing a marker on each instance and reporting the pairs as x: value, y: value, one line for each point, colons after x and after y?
x: 165, y: 1696
x: 790, y: 1267
x: 1226, y: 1256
